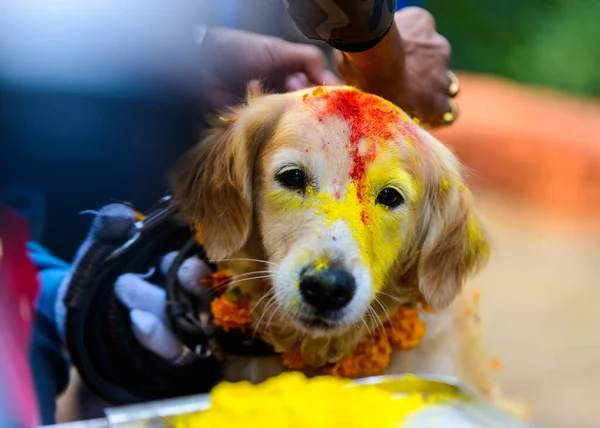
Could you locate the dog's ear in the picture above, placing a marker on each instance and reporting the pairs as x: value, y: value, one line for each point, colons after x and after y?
x: 213, y: 184
x: 454, y: 242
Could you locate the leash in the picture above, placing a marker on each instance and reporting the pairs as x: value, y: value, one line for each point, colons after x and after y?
x: 98, y: 330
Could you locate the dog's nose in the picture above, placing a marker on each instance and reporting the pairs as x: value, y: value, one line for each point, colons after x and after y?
x: 327, y: 289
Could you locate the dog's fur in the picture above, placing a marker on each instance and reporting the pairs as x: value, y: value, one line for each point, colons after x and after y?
x: 426, y: 247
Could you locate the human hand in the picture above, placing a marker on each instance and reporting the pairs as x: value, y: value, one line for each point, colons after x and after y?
x: 147, y: 305
x: 146, y: 301
x: 419, y: 82
x: 231, y: 58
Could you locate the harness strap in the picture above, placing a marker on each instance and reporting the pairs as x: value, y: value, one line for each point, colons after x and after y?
x: 98, y: 329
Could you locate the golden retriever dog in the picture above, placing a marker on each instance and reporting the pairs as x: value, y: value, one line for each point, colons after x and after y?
x: 336, y: 208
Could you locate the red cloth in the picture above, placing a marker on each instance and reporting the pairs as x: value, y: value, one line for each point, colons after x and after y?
x: 18, y: 291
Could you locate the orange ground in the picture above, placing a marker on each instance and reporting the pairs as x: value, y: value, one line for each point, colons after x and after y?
x: 540, y: 146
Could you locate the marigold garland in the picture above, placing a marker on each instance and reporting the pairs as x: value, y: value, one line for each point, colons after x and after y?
x: 370, y: 358
x: 404, y: 331
x: 217, y: 280
x: 228, y: 314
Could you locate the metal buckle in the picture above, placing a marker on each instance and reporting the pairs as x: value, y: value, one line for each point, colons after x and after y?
x: 166, y: 208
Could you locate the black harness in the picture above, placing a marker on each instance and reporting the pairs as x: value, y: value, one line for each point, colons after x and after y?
x: 98, y: 330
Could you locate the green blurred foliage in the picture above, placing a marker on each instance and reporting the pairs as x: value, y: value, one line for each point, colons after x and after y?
x: 553, y: 43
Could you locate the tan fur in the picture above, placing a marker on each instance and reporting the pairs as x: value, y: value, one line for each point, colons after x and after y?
x: 222, y: 187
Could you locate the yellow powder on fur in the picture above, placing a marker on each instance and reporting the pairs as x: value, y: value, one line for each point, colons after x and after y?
x: 321, y: 264
x: 290, y: 400
x: 477, y: 243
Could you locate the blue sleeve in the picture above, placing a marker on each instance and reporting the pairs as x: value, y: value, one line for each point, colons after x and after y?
x: 49, y: 363
x: 406, y: 3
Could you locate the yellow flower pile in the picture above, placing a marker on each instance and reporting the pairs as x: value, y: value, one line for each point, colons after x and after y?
x: 293, y: 401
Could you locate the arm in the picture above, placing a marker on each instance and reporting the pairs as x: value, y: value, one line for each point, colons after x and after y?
x: 397, y: 55
x: 143, y: 46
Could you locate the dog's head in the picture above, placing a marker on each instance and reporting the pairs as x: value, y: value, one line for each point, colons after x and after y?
x: 349, y: 198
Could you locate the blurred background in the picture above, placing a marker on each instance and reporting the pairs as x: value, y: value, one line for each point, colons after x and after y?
x: 529, y: 133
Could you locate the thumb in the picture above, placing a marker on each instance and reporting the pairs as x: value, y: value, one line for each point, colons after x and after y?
x: 306, y: 59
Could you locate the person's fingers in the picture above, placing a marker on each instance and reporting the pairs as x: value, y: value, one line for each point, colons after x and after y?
x: 414, y: 20
x: 137, y: 293
x: 295, y: 82
x: 190, y: 274
x: 443, y: 47
x: 166, y: 262
x: 328, y: 77
x: 304, y: 58
x: 154, y: 335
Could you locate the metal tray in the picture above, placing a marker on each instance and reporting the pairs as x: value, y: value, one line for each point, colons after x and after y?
x: 466, y: 410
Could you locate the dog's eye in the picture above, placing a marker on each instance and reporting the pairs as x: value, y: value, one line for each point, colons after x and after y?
x: 390, y: 197
x: 293, y: 179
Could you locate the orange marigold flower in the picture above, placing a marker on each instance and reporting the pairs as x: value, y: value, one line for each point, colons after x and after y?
x: 348, y: 367
x: 217, y: 280
x: 230, y: 315
x: 292, y: 358
x: 370, y: 358
x: 405, y: 330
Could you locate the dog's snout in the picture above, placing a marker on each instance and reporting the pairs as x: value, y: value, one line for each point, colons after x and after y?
x: 327, y: 289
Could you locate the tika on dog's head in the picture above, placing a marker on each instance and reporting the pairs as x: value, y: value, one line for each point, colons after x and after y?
x: 353, y: 208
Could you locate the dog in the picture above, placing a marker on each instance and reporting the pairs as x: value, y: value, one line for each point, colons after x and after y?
x: 332, y: 207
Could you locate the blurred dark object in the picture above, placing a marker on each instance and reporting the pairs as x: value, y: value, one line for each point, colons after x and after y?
x: 78, y: 151
x: 347, y: 25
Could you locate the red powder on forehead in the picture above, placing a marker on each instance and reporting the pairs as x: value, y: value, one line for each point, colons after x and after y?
x: 370, y: 119
x: 372, y: 122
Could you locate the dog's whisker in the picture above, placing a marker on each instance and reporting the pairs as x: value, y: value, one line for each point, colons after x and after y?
x: 259, y: 301
x: 382, y: 306
x: 366, y: 326
x: 228, y: 283
x: 272, y: 302
x: 379, y: 320
x: 249, y: 273
x: 373, y: 315
x: 394, y: 298
x: 274, y: 311
x: 249, y: 260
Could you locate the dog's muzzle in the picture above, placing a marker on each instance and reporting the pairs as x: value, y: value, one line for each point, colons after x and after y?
x: 327, y: 290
